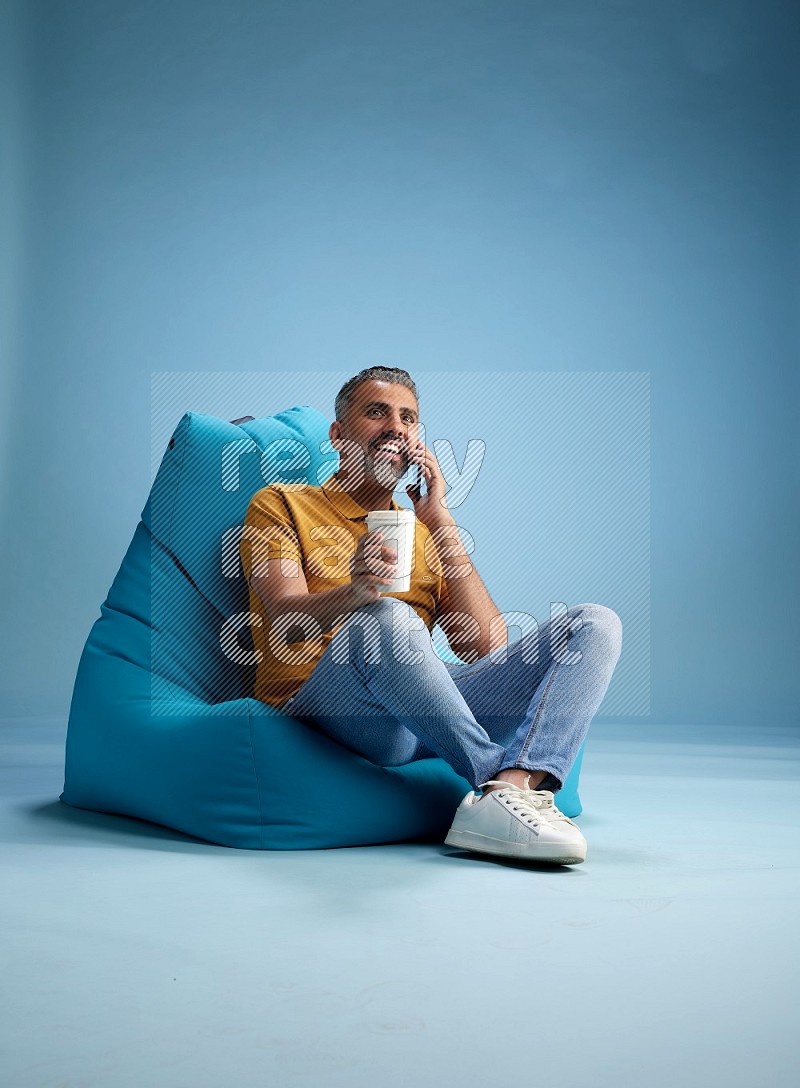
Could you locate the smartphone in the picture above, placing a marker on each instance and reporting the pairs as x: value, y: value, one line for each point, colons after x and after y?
x: 418, y: 480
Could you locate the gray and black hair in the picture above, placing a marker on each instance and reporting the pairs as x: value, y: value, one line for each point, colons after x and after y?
x: 372, y: 374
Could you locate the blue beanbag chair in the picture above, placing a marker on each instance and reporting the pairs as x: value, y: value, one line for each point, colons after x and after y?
x: 162, y: 724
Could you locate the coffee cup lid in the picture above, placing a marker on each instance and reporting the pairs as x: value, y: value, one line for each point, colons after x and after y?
x: 390, y: 517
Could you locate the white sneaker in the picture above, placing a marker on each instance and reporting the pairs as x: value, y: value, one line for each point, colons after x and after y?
x: 517, y: 823
x: 554, y: 815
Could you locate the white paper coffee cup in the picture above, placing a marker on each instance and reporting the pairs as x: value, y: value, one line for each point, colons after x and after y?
x: 399, y: 530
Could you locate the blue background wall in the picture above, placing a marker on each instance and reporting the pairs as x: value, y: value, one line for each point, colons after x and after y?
x: 474, y: 187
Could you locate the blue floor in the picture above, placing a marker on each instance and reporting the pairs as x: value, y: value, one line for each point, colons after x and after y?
x: 137, y: 956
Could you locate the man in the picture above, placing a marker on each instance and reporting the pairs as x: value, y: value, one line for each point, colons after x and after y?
x: 361, y: 666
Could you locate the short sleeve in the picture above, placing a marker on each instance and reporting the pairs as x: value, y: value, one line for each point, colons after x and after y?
x: 269, y: 532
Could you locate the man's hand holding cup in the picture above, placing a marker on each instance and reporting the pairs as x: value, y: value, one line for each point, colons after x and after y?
x: 372, y: 568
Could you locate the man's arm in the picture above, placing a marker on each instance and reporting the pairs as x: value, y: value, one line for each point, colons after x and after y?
x: 470, y: 619
x: 467, y: 596
x: 281, y: 585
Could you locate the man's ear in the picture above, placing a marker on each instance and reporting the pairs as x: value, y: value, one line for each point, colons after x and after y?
x: 335, y: 434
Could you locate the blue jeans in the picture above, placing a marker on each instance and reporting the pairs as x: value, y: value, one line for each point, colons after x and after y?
x: 381, y: 690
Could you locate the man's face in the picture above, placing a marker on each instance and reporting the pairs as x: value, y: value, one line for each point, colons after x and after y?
x: 377, y: 431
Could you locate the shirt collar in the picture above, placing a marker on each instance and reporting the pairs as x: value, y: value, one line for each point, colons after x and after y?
x: 345, y: 503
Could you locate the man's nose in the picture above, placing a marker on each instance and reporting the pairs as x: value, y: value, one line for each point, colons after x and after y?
x: 399, y: 427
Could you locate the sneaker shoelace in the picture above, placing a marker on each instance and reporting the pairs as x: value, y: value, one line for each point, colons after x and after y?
x: 537, y: 806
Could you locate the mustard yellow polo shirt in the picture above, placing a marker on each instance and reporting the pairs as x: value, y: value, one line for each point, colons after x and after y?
x: 318, y: 527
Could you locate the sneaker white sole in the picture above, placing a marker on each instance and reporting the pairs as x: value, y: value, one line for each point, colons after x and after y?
x: 557, y: 853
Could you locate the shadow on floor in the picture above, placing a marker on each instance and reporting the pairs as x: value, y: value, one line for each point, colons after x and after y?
x: 65, y: 824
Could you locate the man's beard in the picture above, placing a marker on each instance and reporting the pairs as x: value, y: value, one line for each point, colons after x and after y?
x: 386, y: 470
x: 358, y: 466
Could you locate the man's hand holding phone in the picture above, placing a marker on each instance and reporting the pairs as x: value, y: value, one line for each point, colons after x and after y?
x: 430, y: 507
